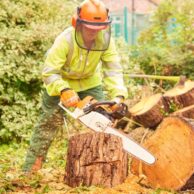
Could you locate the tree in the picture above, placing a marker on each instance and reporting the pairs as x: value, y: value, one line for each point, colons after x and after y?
x: 167, y: 46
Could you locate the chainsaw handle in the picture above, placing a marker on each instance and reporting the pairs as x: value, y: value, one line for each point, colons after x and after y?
x: 93, y: 106
x: 119, y: 113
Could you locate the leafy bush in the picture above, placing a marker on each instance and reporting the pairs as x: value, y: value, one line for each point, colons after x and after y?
x: 167, y: 46
x: 28, y: 29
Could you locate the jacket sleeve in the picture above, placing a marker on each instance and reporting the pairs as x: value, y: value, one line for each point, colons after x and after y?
x: 55, y: 60
x: 113, y: 72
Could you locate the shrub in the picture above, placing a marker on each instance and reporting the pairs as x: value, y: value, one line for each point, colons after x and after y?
x: 28, y: 29
x: 167, y: 46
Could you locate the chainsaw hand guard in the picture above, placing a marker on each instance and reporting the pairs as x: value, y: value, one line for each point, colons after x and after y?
x: 101, y: 107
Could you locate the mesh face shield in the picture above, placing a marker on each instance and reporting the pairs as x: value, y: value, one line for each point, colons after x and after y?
x: 93, y: 36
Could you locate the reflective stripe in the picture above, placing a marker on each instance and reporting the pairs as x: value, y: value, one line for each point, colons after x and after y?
x: 50, y: 70
x: 120, y: 87
x: 112, y: 65
x: 107, y: 37
x: 112, y: 74
x: 51, y: 79
x: 56, y: 73
x: 69, y: 40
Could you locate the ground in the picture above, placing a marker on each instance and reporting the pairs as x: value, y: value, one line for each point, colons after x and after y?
x: 50, y: 178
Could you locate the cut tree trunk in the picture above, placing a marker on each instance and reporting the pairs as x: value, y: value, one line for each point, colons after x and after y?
x: 96, y: 159
x: 187, y: 112
x: 150, y: 111
x: 173, y: 146
x: 181, y: 95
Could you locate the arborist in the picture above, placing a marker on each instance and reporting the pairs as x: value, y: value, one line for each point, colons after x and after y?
x: 81, y: 57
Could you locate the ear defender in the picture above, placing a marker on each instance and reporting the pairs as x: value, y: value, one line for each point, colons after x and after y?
x: 75, y: 16
x: 74, y: 20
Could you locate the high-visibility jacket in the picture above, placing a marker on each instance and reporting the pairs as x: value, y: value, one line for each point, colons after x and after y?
x: 69, y: 66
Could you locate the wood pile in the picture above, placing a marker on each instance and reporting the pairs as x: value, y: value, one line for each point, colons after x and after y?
x: 171, y: 115
x: 151, y: 110
x: 98, y: 158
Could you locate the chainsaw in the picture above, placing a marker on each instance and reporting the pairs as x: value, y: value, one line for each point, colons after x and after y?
x: 99, y: 117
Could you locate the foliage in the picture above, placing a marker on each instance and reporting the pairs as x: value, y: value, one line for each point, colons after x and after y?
x: 167, y: 46
x: 12, y: 179
x: 28, y: 28
x: 132, y: 85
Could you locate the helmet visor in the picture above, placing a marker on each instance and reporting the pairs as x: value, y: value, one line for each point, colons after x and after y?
x: 92, y: 35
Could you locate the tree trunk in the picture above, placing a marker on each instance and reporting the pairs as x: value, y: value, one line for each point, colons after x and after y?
x: 187, y: 112
x: 150, y: 111
x: 173, y: 146
x: 181, y: 95
x: 96, y: 159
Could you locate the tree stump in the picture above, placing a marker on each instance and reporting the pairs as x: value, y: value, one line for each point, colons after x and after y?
x: 96, y: 159
x: 187, y: 112
x: 150, y: 111
x: 181, y: 95
x: 173, y: 146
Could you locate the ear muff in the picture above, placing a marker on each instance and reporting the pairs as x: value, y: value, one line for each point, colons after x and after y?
x: 74, y: 20
x: 75, y: 16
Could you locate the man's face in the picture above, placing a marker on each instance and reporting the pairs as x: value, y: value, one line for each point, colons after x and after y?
x: 89, y: 34
x: 92, y: 37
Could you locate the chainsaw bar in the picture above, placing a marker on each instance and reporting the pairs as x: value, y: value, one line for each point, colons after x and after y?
x: 99, y: 123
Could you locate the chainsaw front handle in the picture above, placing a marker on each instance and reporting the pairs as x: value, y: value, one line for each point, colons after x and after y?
x: 92, y: 107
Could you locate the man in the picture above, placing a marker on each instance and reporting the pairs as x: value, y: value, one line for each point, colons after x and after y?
x: 73, y: 70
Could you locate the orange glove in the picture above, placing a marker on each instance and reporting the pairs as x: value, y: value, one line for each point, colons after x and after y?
x: 69, y: 98
x: 118, y: 100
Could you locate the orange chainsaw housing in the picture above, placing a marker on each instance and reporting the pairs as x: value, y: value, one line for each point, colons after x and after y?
x: 86, y: 101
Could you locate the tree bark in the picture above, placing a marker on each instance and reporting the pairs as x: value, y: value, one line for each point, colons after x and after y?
x: 173, y: 146
x: 150, y: 111
x: 181, y: 95
x: 96, y: 159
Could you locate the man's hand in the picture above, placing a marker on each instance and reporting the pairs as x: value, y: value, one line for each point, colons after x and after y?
x: 118, y: 100
x: 69, y: 98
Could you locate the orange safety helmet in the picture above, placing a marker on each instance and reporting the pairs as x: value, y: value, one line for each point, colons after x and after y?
x: 93, y: 14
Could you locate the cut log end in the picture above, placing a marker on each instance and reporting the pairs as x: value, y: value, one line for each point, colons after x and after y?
x: 149, y: 111
x: 173, y: 146
x: 181, y: 95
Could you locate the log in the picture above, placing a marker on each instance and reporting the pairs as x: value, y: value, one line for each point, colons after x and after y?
x: 187, y: 112
x: 96, y: 159
x: 173, y: 146
x: 181, y: 95
x: 150, y: 111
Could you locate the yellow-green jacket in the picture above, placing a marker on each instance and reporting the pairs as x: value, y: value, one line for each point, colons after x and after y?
x: 69, y: 66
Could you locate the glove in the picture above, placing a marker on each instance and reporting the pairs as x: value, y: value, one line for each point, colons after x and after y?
x: 69, y: 98
x: 118, y: 100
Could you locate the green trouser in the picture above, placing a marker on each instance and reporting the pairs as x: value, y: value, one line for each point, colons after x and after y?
x: 50, y: 121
